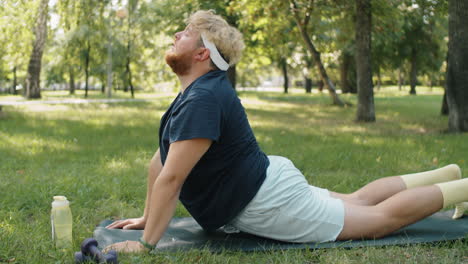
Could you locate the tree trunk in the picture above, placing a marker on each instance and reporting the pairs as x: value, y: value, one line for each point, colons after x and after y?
x: 316, y: 56
x: 413, y: 72
x: 457, y: 68
x: 15, y: 81
x: 125, y: 80
x: 33, y: 80
x: 86, y: 68
x: 131, y: 8
x: 379, y: 79
x: 102, y: 78
x: 129, y: 72
x: 308, y: 84
x: 322, y: 72
x: 71, y: 83
x: 109, y: 64
x: 231, y: 72
x: 348, y: 73
x: 306, y: 71
x: 431, y: 81
x: 344, y: 69
x: 284, y: 68
x: 320, y: 86
x: 129, y: 78
x: 365, y: 109
x: 400, y: 79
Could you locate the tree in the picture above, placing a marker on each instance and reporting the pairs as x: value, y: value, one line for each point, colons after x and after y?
x: 457, y: 70
x: 344, y: 25
x: 132, y: 6
x: 269, y: 36
x: 419, y: 44
x: 348, y: 72
x: 16, y: 21
x: 387, y: 23
x: 302, y: 25
x: 68, y: 11
x: 33, y: 88
x: 365, y: 109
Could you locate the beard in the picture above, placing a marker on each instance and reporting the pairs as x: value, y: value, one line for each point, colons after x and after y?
x: 179, y: 63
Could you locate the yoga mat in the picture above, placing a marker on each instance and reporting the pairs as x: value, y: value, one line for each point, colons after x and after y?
x: 185, y: 234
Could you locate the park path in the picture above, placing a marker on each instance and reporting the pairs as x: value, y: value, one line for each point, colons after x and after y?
x: 71, y: 101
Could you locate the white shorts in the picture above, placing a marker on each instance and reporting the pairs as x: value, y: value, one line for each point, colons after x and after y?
x: 287, y: 208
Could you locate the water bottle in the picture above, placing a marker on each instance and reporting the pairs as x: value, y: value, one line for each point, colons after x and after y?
x: 61, y: 221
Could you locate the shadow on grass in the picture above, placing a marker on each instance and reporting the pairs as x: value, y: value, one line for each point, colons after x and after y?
x: 84, y: 154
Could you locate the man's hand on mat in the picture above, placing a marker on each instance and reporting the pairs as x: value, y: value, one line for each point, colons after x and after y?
x: 132, y: 223
x: 127, y: 247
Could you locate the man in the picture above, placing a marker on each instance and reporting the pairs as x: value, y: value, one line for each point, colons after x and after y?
x: 210, y: 160
x: 191, y: 57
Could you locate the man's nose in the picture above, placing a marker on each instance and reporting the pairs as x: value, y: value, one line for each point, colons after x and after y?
x: 177, y: 35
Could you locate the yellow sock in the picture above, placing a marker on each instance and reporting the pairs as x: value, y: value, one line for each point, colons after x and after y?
x: 448, y: 173
x: 454, y: 192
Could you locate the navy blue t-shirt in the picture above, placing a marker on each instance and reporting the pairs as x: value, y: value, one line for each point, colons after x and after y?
x: 229, y: 174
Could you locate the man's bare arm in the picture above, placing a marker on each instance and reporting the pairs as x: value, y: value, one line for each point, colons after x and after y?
x: 181, y: 158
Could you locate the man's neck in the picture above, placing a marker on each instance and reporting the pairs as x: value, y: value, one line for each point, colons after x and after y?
x: 186, y: 80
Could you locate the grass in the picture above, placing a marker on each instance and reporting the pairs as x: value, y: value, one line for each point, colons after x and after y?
x: 97, y: 154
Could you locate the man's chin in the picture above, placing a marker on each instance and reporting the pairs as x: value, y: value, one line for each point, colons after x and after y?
x: 178, y: 63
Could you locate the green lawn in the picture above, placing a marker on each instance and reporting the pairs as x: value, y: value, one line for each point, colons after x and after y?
x: 97, y: 155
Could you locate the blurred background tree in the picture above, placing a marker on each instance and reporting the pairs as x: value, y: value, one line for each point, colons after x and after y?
x: 409, y: 42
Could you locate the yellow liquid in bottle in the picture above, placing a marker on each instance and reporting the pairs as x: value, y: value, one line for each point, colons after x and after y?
x: 61, y: 219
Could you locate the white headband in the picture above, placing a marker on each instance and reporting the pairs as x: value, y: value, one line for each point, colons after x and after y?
x: 214, y: 54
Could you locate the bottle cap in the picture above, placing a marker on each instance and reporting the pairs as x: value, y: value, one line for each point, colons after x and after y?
x: 60, y: 198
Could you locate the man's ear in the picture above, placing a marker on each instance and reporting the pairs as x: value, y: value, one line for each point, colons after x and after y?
x: 202, y: 54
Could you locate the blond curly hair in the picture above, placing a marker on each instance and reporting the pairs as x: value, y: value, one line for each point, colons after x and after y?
x: 228, y: 39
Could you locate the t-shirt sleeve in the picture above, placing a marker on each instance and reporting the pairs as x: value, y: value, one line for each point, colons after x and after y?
x: 198, y: 116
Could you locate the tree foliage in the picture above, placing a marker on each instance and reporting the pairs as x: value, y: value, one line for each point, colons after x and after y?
x: 408, y: 35
x: 16, y: 22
